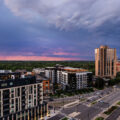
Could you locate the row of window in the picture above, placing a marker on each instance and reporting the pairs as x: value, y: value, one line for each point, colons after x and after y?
x: 17, y: 100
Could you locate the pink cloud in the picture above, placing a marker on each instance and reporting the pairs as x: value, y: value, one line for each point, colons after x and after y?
x: 65, y: 53
x: 36, y: 58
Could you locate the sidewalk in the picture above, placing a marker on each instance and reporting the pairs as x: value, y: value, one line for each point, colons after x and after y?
x: 102, y: 113
x: 70, y: 104
x: 52, y: 113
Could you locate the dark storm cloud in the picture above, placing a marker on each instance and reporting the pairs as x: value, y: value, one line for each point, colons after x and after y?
x: 49, y: 28
x: 79, y: 13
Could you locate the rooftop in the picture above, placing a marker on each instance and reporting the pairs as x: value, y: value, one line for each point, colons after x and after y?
x: 41, y: 78
x: 74, y: 69
x: 17, y: 82
x: 104, y: 46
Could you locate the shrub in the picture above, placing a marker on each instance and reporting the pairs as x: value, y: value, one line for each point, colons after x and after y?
x: 99, y: 118
x: 109, y: 111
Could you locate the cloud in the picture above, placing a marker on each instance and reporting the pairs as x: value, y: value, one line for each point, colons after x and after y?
x: 66, y: 54
x: 28, y: 28
x: 66, y: 14
x: 36, y: 58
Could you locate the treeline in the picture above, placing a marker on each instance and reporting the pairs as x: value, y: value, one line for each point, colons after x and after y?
x: 115, y: 81
x: 61, y: 93
x: 29, y: 65
x: 100, y: 83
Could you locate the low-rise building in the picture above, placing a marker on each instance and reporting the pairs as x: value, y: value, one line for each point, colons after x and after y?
x: 38, y: 70
x: 9, y: 75
x: 118, y: 66
x: 5, y: 71
x: 47, y: 86
x: 21, y: 71
x: 29, y: 73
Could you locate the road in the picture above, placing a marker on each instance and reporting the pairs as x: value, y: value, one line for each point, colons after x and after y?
x: 114, y: 115
x: 112, y: 98
x: 91, y: 112
x: 102, y: 92
x: 105, y: 97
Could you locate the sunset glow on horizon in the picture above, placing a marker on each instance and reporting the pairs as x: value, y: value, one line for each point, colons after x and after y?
x: 36, y: 58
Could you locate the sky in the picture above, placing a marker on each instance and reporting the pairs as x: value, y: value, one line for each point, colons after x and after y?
x: 49, y: 30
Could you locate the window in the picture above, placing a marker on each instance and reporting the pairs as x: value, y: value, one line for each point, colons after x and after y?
x: 30, y: 89
x: 18, y: 91
x: 34, y: 86
x: 35, y: 102
x: 30, y: 97
x: 12, y: 95
x: 11, y: 83
x: 4, y: 85
x: 12, y: 101
x: 12, y: 90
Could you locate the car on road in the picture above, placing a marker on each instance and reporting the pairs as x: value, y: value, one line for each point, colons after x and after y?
x: 51, y: 99
x: 101, y: 101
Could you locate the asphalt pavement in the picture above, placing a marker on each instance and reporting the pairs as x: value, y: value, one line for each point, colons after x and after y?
x: 57, y: 117
x: 88, y: 113
x: 114, y: 115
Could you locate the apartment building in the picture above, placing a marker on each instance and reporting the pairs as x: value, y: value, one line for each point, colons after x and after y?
x: 105, y: 62
x: 21, y: 98
x: 51, y: 72
x: 75, y: 80
x: 62, y: 70
x: 82, y: 80
x: 68, y: 77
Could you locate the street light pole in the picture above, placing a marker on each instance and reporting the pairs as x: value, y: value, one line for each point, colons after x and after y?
x: 79, y: 99
x: 54, y: 109
x: 78, y: 104
x: 63, y: 101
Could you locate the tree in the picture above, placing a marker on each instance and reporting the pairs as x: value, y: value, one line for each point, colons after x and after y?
x: 99, y: 84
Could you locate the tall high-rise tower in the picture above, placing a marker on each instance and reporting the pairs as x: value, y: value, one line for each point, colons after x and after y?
x: 105, y: 62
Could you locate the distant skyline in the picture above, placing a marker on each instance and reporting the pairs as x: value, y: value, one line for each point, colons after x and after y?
x: 57, y: 30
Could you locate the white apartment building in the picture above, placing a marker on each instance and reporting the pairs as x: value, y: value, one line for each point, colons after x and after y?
x: 81, y: 80
x: 73, y: 80
x: 50, y: 73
